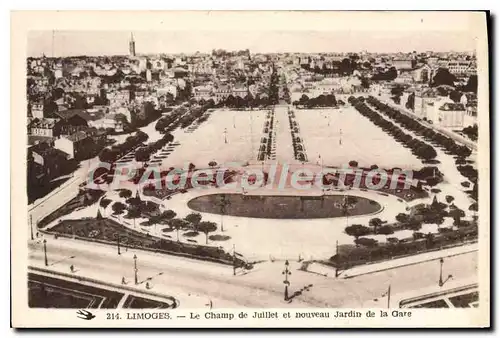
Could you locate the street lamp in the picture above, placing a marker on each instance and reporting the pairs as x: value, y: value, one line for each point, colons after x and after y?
x: 441, y: 261
x: 135, y: 270
x: 286, y: 272
x: 441, y: 281
x: 118, y: 244
x: 31, y: 227
x: 234, y: 260
x: 45, y: 251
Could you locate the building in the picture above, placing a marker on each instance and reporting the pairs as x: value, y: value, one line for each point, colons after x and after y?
x: 426, y: 102
x: 73, y: 120
x: 451, y: 115
x: 76, y: 145
x: 459, y: 67
x: 404, y: 77
x: 239, y: 90
x: 119, y: 97
x: 403, y: 63
x: 203, y: 92
x: 131, y: 45
x: 115, y: 122
x: 222, y: 92
x: 51, y: 160
x: 37, y: 109
x: 46, y: 127
x: 423, y: 74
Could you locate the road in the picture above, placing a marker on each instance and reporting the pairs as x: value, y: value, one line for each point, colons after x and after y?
x: 457, y: 138
x: 63, y: 194
x: 189, y: 280
x: 284, y: 149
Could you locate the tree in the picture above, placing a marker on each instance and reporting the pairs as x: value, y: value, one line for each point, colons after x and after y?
x: 414, y: 225
x: 455, y: 96
x: 304, y: 100
x: 134, y: 201
x: 368, y: 242
x: 212, y: 164
x: 168, y: 138
x: 402, y: 218
x: 456, y: 214
x: 443, y: 77
x: 161, y: 125
x: 230, y: 101
x: 104, y: 203
x: 194, y: 218
x: 108, y: 155
x: 471, y: 85
x: 449, y: 199
x: 134, y: 211
x: 473, y: 207
x: 177, y: 224
x: 429, y: 240
x: 410, y: 103
x: 375, y: 223
x: 206, y: 228
x: 125, y: 193
x: 365, y: 83
x: 118, y: 208
x: 168, y: 215
x: 357, y: 230
x: 397, y: 91
x: 142, y: 155
x: 386, y: 230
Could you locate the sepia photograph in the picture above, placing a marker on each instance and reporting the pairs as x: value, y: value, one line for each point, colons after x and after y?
x: 330, y: 168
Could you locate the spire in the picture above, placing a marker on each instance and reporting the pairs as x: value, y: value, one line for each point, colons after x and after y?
x: 131, y: 37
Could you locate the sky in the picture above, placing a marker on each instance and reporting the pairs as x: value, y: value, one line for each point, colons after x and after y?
x: 67, y: 43
x: 108, y: 33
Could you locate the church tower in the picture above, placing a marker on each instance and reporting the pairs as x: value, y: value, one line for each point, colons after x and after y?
x: 131, y: 45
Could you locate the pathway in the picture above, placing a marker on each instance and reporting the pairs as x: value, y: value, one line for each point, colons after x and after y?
x: 284, y: 149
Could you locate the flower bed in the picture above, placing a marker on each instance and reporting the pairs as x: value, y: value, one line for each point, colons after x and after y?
x: 349, y: 255
x: 108, y: 231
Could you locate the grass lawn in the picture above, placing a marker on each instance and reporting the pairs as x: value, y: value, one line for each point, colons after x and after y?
x: 282, y: 207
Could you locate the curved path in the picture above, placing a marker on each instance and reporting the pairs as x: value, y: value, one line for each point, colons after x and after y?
x: 258, y: 238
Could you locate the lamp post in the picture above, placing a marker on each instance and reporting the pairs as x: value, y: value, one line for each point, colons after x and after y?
x: 135, y: 270
x: 45, y: 251
x: 337, y: 255
x: 118, y: 244
x: 234, y: 260
x: 441, y: 281
x: 286, y: 272
x: 31, y: 227
x: 441, y: 261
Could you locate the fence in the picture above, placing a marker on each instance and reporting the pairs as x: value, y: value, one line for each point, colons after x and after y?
x: 153, y: 250
x: 107, y: 284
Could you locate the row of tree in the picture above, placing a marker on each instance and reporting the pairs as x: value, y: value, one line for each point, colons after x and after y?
x: 320, y: 101
x: 267, y: 142
x: 110, y: 155
x: 297, y: 143
x: 418, y: 148
x: 143, y: 154
x: 412, y: 124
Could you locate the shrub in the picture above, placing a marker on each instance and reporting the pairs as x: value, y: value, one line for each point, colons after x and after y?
x: 367, y: 242
x: 125, y: 193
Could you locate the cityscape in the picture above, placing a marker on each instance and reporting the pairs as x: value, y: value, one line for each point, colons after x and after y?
x: 242, y: 179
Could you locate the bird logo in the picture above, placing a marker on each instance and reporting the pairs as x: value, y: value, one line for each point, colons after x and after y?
x: 84, y: 314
